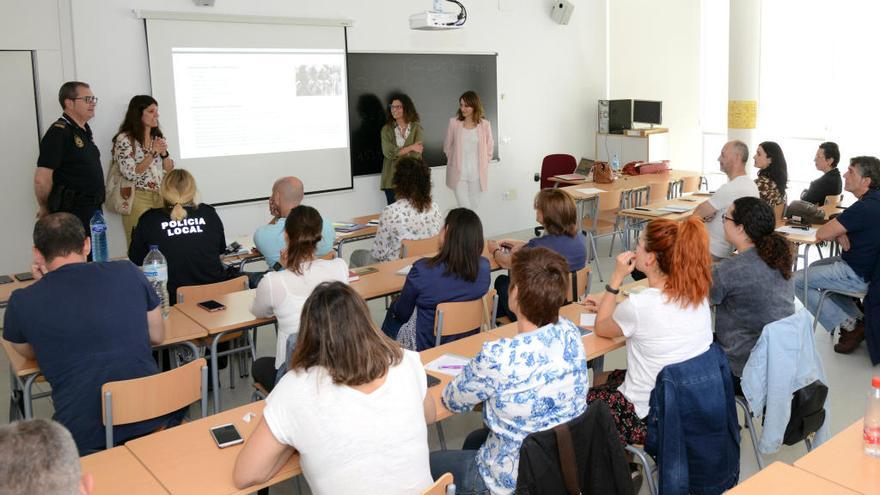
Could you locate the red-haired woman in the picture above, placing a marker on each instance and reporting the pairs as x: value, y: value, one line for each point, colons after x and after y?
x: 667, y: 323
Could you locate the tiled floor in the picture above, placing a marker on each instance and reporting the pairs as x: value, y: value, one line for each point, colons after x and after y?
x: 848, y: 376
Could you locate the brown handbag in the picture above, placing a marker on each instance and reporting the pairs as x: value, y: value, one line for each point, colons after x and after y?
x: 602, y: 173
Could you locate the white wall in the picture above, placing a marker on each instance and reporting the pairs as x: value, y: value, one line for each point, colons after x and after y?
x: 654, y: 54
x: 550, y: 77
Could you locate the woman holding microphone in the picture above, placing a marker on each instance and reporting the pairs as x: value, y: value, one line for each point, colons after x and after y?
x: 468, y: 147
x: 141, y: 153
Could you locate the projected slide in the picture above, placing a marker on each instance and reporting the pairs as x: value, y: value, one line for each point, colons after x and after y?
x: 252, y: 101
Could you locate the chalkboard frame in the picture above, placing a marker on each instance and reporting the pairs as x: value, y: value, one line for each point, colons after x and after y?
x: 422, y: 79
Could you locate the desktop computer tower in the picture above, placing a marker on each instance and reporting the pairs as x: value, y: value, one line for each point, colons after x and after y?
x: 615, y: 116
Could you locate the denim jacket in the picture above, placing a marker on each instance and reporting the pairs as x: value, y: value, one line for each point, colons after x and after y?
x: 693, y: 430
x: 771, y: 383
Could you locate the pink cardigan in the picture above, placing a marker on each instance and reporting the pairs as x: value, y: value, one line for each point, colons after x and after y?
x: 452, y: 148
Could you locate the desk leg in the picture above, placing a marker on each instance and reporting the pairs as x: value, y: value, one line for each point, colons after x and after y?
x: 215, y: 371
x: 28, y: 396
x: 806, y: 269
x: 339, y: 248
x: 16, y: 410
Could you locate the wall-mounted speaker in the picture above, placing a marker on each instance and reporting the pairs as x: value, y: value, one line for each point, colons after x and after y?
x: 561, y: 12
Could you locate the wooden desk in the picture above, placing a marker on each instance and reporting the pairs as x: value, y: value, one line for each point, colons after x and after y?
x: 186, y: 460
x: 237, y: 316
x: 357, y: 235
x: 842, y: 460
x: 6, y: 290
x: 179, y: 330
x: 118, y: 471
x: 781, y: 479
x: 384, y: 282
x: 632, y: 181
x: 467, y: 347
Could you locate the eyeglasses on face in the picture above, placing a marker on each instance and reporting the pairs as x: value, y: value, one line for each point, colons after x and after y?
x: 725, y: 217
x: 87, y: 99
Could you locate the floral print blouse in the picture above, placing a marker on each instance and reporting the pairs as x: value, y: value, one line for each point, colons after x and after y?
x: 530, y: 382
x: 400, y: 220
x: 769, y: 192
x: 128, y: 158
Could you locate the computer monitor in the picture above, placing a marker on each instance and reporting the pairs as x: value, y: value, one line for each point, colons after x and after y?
x: 648, y: 112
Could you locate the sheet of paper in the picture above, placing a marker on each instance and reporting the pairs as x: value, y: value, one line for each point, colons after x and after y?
x: 589, y: 190
x: 588, y: 319
x: 448, y: 364
x: 678, y: 208
x: 810, y: 231
x: 405, y: 270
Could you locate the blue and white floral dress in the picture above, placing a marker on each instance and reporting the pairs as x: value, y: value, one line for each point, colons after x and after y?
x: 530, y: 382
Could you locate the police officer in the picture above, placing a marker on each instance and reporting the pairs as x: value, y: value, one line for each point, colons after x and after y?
x: 69, y: 176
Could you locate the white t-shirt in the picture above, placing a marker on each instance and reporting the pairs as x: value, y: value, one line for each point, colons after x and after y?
x: 740, y: 187
x: 352, y: 442
x: 658, y: 333
x: 284, y: 294
x: 470, y: 153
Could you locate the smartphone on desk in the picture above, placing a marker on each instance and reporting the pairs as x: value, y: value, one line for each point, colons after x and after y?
x: 24, y: 276
x: 432, y: 380
x: 211, y: 305
x: 5, y: 279
x: 226, y: 435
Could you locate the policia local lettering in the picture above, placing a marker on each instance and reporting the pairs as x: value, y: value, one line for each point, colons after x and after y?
x: 183, y: 226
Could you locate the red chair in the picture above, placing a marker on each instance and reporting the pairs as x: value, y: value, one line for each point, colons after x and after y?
x: 556, y: 165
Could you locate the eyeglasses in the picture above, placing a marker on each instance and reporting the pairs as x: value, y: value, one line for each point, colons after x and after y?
x: 396, y: 107
x: 87, y: 99
x: 725, y: 217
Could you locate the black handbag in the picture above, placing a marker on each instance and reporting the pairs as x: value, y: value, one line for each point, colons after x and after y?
x: 804, y: 212
x: 807, y: 412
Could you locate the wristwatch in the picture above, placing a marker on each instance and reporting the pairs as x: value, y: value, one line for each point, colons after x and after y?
x: 608, y: 288
x: 166, y: 155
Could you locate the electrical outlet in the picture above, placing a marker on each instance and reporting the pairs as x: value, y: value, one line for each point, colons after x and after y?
x: 509, y: 195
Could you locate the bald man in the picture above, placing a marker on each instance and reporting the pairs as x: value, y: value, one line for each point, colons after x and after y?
x: 287, y: 194
x: 732, y: 160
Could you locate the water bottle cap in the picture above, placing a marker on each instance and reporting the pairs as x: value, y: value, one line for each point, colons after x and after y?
x: 875, y: 382
x: 154, y: 246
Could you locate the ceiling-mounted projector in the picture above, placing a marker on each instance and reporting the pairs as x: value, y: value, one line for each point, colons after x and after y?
x: 437, y: 19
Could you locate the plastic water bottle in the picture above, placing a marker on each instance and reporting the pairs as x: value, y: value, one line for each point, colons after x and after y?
x: 156, y: 269
x: 871, y: 432
x: 615, y: 163
x: 98, y: 228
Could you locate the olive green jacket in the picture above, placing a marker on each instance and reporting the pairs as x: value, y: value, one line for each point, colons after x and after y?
x: 390, y: 150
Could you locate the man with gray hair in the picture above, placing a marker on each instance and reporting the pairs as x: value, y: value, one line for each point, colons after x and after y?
x: 733, y: 159
x: 857, y: 232
x: 287, y: 194
x: 39, y: 456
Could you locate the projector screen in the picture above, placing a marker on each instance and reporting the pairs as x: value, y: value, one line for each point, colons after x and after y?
x: 242, y: 104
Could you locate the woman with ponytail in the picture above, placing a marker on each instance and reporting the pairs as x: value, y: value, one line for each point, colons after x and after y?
x: 667, y: 323
x: 754, y: 287
x: 190, y: 235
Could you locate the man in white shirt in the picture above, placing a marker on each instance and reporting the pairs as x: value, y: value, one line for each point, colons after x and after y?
x: 733, y: 159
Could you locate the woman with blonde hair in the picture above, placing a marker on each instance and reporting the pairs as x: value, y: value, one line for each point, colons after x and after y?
x: 189, y: 234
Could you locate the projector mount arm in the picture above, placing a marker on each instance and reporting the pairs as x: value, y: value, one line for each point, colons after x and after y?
x: 462, y: 15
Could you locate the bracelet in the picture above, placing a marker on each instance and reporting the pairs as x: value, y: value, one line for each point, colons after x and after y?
x: 611, y: 290
x: 166, y: 155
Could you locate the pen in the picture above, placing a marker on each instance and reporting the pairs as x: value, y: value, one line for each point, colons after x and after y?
x: 451, y: 367
x: 641, y: 209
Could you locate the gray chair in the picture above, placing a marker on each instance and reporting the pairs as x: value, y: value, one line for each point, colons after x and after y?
x: 824, y: 296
